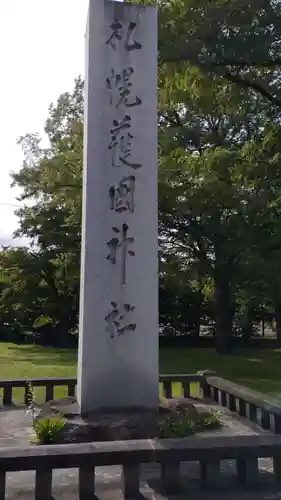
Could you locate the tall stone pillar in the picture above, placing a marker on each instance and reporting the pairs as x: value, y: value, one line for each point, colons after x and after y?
x: 118, y: 332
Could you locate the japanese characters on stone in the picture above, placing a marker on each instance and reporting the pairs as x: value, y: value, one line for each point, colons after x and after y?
x: 117, y: 320
x: 122, y: 83
x: 121, y: 241
x: 122, y: 195
x: 124, y: 35
x: 120, y: 86
x: 120, y: 144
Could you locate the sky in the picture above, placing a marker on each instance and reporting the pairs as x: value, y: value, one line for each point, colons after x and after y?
x: 41, y: 53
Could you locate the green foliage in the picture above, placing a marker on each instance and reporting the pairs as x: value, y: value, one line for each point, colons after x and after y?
x: 42, y: 321
x: 219, y: 156
x: 182, y: 425
x: 31, y: 402
x: 213, y: 36
x: 219, y: 183
x: 47, y: 429
x: 212, y: 421
x: 172, y: 429
x: 39, y: 286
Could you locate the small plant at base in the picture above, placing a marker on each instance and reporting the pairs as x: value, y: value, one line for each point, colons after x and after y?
x: 48, y: 428
x: 182, y: 425
x: 32, y: 408
x: 213, y: 420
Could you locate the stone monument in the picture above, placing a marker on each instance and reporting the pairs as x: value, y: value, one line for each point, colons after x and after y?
x: 118, y: 332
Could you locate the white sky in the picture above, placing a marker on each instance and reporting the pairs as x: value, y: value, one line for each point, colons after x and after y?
x: 41, y: 53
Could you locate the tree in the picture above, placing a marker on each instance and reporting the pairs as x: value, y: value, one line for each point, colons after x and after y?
x: 21, y: 295
x: 51, y: 179
x: 215, y: 106
x: 213, y: 36
x: 265, y: 155
x: 219, y: 191
x: 182, y: 301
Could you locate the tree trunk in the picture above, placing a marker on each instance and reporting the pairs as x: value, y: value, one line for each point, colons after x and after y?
x: 196, y: 323
x: 223, y: 315
x: 278, y: 319
x: 247, y: 328
x: 262, y: 325
x: 195, y: 332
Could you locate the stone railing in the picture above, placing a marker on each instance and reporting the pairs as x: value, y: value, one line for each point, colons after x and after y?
x: 257, y: 407
x: 169, y: 453
x: 49, y: 384
x: 188, y: 383
x: 207, y: 451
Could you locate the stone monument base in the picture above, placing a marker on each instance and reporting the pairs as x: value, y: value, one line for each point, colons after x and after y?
x: 108, y: 425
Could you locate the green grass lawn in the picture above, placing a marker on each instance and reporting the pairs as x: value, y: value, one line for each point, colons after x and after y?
x: 259, y: 369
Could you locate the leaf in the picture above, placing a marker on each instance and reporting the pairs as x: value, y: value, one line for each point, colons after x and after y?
x: 42, y: 321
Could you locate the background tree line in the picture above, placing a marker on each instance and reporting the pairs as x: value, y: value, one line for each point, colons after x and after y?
x: 219, y: 184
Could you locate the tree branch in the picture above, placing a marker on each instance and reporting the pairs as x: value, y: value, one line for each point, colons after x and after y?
x: 187, y: 55
x: 246, y: 64
x: 235, y: 78
x: 45, y: 274
x: 240, y: 80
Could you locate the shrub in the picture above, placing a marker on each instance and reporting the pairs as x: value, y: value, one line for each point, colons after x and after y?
x: 181, y: 424
x: 48, y: 428
x: 32, y: 408
x: 212, y: 421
